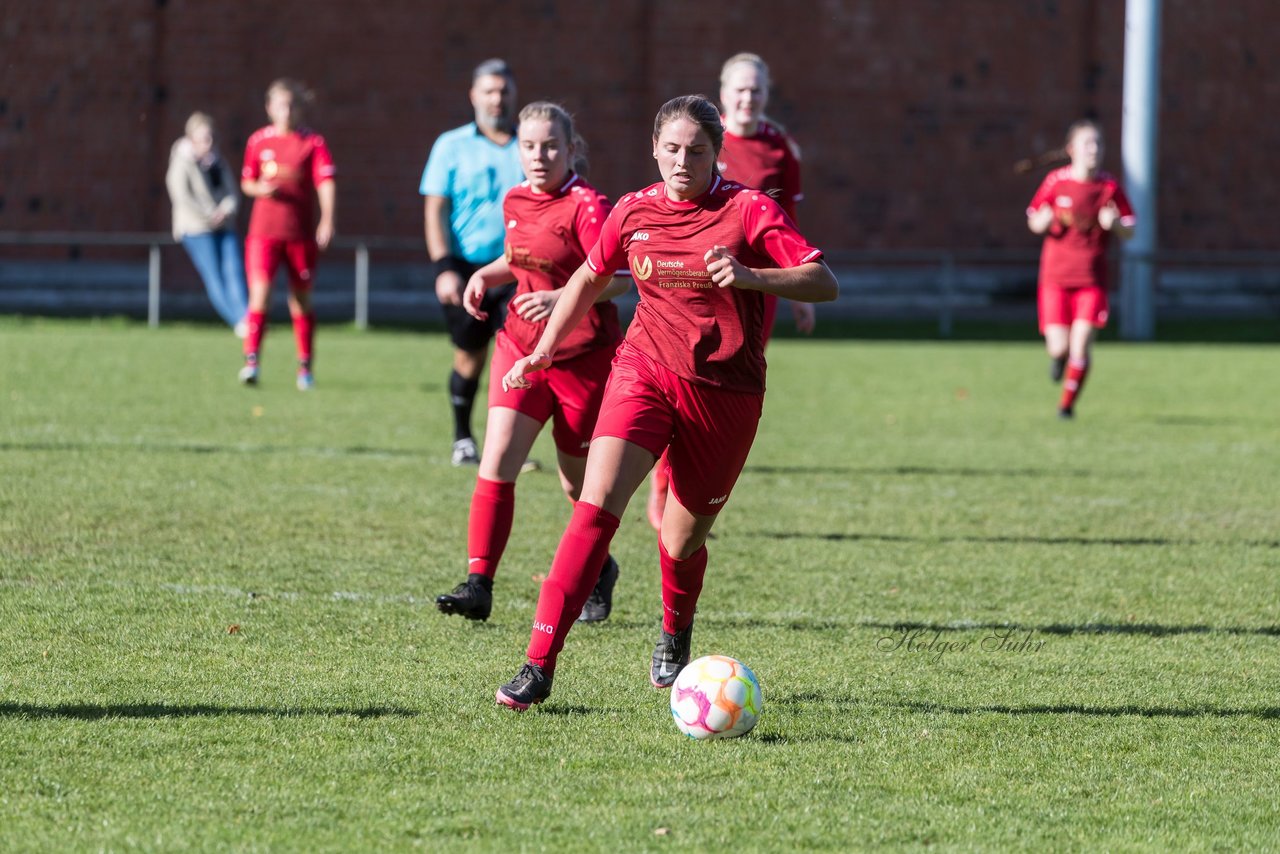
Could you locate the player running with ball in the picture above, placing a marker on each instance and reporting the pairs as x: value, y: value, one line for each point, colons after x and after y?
x: 688, y: 379
x: 756, y: 153
x: 552, y: 219
x: 1077, y: 209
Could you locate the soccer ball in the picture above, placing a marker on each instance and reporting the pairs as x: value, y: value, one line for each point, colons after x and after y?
x: 716, y: 697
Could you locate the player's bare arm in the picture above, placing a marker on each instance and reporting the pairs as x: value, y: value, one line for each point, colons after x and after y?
x: 1040, y: 219
x: 805, y: 316
x: 1110, y: 220
x: 811, y: 282
x: 327, y: 193
x: 491, y: 275
x: 581, y: 292
x: 449, y: 285
x: 537, y: 306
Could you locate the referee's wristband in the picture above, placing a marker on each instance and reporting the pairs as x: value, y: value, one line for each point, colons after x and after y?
x: 449, y: 263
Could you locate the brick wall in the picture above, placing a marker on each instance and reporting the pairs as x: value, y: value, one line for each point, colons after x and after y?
x: 910, y: 114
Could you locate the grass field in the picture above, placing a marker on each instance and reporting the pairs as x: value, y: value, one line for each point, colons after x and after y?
x: 216, y: 629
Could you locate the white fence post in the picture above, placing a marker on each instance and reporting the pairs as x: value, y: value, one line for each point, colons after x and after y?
x: 153, y: 287
x: 362, y: 286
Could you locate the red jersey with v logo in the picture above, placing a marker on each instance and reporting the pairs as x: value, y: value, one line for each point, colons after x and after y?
x: 701, y: 332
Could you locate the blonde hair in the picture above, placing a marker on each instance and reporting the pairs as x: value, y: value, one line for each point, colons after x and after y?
x: 198, y: 120
x: 302, y: 96
x: 550, y: 111
x: 748, y: 58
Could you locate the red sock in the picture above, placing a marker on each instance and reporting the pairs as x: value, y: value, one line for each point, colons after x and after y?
x: 681, y: 586
x: 574, y: 572
x: 304, y: 334
x: 493, y: 506
x: 257, y: 321
x: 1073, y: 383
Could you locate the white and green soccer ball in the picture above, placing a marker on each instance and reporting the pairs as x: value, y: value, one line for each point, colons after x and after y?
x: 716, y: 697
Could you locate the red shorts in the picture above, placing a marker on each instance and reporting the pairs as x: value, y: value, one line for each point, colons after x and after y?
x: 568, y: 392
x: 262, y: 257
x: 1063, y: 306
x: 706, y: 431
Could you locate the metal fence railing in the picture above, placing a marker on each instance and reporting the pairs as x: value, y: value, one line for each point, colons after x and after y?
x: 945, y: 281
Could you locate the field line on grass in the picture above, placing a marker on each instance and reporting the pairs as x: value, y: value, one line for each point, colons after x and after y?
x: 141, y: 444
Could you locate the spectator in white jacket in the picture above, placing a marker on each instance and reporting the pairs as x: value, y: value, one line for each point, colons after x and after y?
x: 202, y: 188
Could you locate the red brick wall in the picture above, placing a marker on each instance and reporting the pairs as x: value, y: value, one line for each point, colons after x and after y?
x: 910, y: 114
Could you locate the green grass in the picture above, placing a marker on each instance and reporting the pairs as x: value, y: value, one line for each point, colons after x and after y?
x: 147, y: 504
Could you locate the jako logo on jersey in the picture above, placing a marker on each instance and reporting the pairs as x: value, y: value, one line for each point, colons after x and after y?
x: 722, y: 499
x: 640, y: 235
x: 543, y: 627
x: 1063, y: 201
x: 642, y: 268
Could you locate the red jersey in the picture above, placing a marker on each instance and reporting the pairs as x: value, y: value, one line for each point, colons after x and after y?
x: 703, y: 333
x: 765, y: 160
x: 298, y: 162
x: 548, y: 237
x: 1075, y: 246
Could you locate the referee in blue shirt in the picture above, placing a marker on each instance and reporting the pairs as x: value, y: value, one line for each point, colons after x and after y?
x: 468, y: 174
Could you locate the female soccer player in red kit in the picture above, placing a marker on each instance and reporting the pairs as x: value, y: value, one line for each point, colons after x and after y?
x: 756, y: 153
x: 553, y: 219
x: 759, y: 154
x: 1077, y: 208
x: 287, y: 168
x: 689, y: 378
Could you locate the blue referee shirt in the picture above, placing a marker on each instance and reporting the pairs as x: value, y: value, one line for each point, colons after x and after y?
x: 474, y: 174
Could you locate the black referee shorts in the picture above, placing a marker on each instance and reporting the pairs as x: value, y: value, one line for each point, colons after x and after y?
x: 467, y: 333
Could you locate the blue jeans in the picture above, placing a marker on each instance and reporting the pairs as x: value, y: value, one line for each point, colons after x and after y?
x: 219, y: 262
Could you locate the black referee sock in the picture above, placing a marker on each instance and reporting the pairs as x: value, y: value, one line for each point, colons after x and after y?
x: 462, y: 394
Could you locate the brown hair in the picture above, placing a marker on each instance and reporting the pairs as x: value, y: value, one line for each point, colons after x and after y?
x: 552, y: 112
x: 302, y: 96
x: 697, y: 109
x: 1079, y: 125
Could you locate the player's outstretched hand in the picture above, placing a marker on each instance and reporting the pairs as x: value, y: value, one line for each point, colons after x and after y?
x: 726, y: 271
x: 535, y: 306
x: 473, y: 296
x: 517, y: 377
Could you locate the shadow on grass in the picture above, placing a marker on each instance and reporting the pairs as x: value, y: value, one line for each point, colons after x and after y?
x: 1262, y: 712
x: 1149, y: 629
x: 1027, y: 540
x: 206, y: 448
x: 93, y: 712
x: 929, y: 471
x: 1129, y: 710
